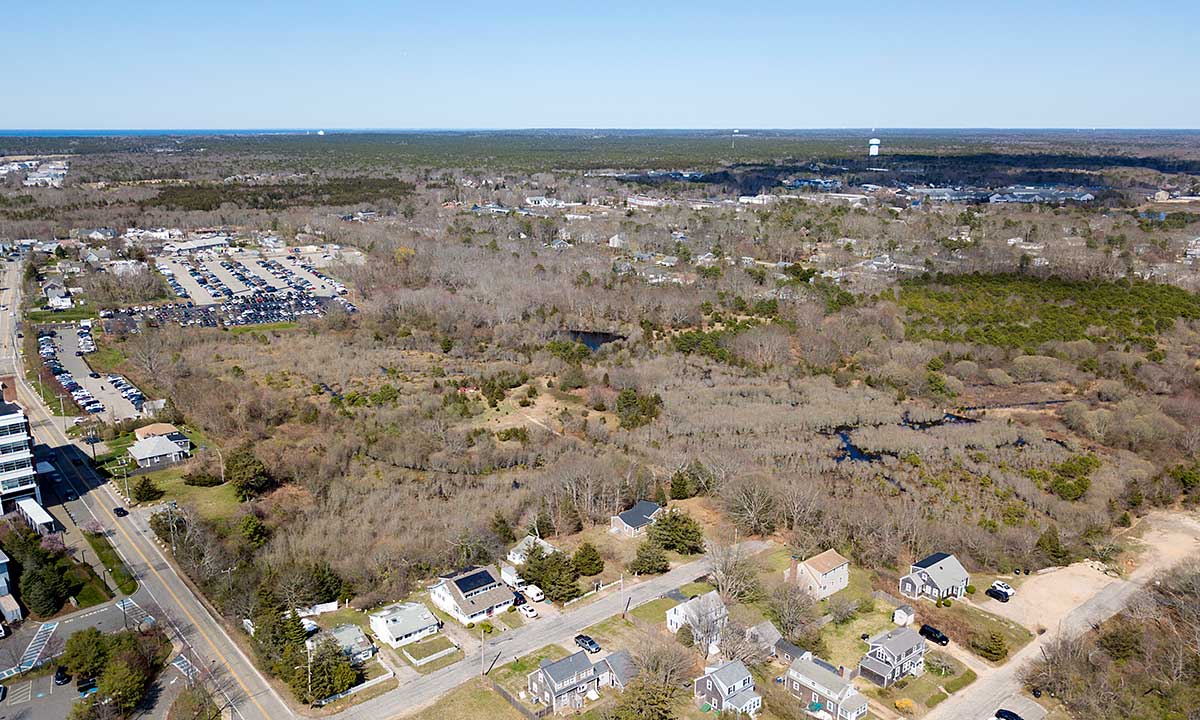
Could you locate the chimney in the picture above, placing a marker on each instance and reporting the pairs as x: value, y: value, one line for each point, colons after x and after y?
x: 8, y: 384
x: 843, y: 673
x: 794, y: 572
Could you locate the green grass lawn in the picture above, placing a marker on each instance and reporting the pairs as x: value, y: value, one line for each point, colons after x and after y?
x: 615, y: 633
x: 844, y: 643
x: 428, y: 646
x: 107, y: 358
x: 117, y: 572
x: 775, y: 560
x: 60, y: 316
x: 345, y: 616
x: 473, y: 700
x: 92, y: 590
x: 691, y: 590
x: 514, y: 676
x: 654, y: 611
x: 513, y: 620
x: 218, y: 504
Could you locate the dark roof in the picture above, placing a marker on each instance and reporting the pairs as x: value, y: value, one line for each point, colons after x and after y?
x: 783, y: 647
x: 474, y: 581
x: 177, y: 437
x: 640, y: 514
x: 568, y: 667
x: 932, y: 560
x: 623, y: 667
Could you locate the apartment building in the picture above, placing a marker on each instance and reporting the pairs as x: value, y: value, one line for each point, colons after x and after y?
x: 17, y: 476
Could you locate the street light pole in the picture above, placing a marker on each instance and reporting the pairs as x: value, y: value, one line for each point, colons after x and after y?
x: 62, y: 413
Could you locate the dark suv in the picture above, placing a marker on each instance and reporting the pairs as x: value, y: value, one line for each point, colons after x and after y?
x: 932, y: 634
x: 996, y: 594
x: 61, y: 676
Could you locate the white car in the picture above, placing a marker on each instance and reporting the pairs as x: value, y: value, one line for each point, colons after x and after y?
x: 528, y: 611
x: 1003, y: 587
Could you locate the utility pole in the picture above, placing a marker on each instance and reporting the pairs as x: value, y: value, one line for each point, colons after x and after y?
x: 125, y: 472
x: 62, y: 413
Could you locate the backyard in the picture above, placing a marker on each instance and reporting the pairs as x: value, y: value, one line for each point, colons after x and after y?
x: 943, y: 676
x: 963, y: 623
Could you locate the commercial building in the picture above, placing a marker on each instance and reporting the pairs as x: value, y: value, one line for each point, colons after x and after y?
x: 17, y: 476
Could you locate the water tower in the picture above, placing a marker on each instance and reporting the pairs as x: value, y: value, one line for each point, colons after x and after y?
x: 873, y: 147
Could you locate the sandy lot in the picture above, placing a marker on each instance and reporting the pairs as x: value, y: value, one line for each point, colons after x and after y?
x: 1166, y: 539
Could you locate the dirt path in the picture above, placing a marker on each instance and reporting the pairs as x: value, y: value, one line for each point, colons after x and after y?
x: 1168, y: 538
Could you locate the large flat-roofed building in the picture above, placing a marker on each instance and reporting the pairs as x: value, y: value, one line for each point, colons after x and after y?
x: 17, y: 476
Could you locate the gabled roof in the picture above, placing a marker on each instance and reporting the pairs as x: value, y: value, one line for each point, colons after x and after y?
x: 896, y: 641
x: 155, y: 446
x: 473, y: 579
x: 826, y: 562
x: 405, y: 618
x: 814, y: 672
x: 945, y: 570
x: 640, y: 515
x: 567, y: 668
x: 622, y: 666
x: 730, y: 674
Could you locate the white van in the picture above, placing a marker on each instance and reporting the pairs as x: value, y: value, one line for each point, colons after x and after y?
x: 534, y: 593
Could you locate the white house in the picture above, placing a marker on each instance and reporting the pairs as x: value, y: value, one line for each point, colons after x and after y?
x: 403, y: 623
x: 821, y: 575
x: 472, y: 595
x: 351, y: 640
x: 520, y: 551
x: 729, y: 687
x: 705, y: 614
x: 156, y: 450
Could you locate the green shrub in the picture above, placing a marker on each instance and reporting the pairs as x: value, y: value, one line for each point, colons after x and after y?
x: 970, y: 589
x: 199, y: 478
x: 960, y: 682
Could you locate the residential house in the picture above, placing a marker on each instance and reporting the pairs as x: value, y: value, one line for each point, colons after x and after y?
x: 893, y: 654
x: 705, y: 614
x: 158, y: 428
x: 562, y: 685
x: 826, y: 694
x: 634, y: 521
x: 403, y: 623
x: 623, y: 669
x: 729, y: 687
x: 938, y: 576
x: 472, y: 595
x: 785, y: 652
x: 520, y: 551
x: 157, y: 450
x: 821, y: 575
x: 353, y: 642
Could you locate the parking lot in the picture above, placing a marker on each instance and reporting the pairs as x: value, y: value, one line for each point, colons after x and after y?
x: 101, y: 388
x: 214, y: 279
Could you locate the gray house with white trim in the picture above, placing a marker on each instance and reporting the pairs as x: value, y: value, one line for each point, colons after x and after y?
x: 938, y: 576
x: 729, y: 687
x: 894, y: 654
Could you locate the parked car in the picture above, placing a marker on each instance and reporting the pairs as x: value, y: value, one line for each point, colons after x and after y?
x: 61, y: 676
x: 518, y: 599
x: 996, y: 594
x: 934, y: 635
x: 528, y: 611
x: 587, y: 643
x: 534, y: 593
x: 1003, y: 587
x: 85, y: 686
x: 1003, y: 714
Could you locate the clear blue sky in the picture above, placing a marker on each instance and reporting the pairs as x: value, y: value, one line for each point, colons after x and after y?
x: 647, y: 64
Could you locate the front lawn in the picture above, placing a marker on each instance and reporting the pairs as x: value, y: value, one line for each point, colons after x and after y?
x: 429, y: 646
x: 473, y: 700
x: 615, y: 633
x: 654, y: 611
x: 217, y: 504
x: 513, y: 677
x: 694, y: 589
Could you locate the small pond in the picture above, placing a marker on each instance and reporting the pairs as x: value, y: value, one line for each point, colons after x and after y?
x: 593, y: 339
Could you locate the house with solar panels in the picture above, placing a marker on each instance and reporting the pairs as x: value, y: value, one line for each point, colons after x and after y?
x: 472, y: 595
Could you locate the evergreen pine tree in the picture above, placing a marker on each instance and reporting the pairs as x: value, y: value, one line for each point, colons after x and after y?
x: 502, y: 530
x: 681, y: 486
x: 588, y: 561
x: 684, y: 635
x: 650, y: 560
